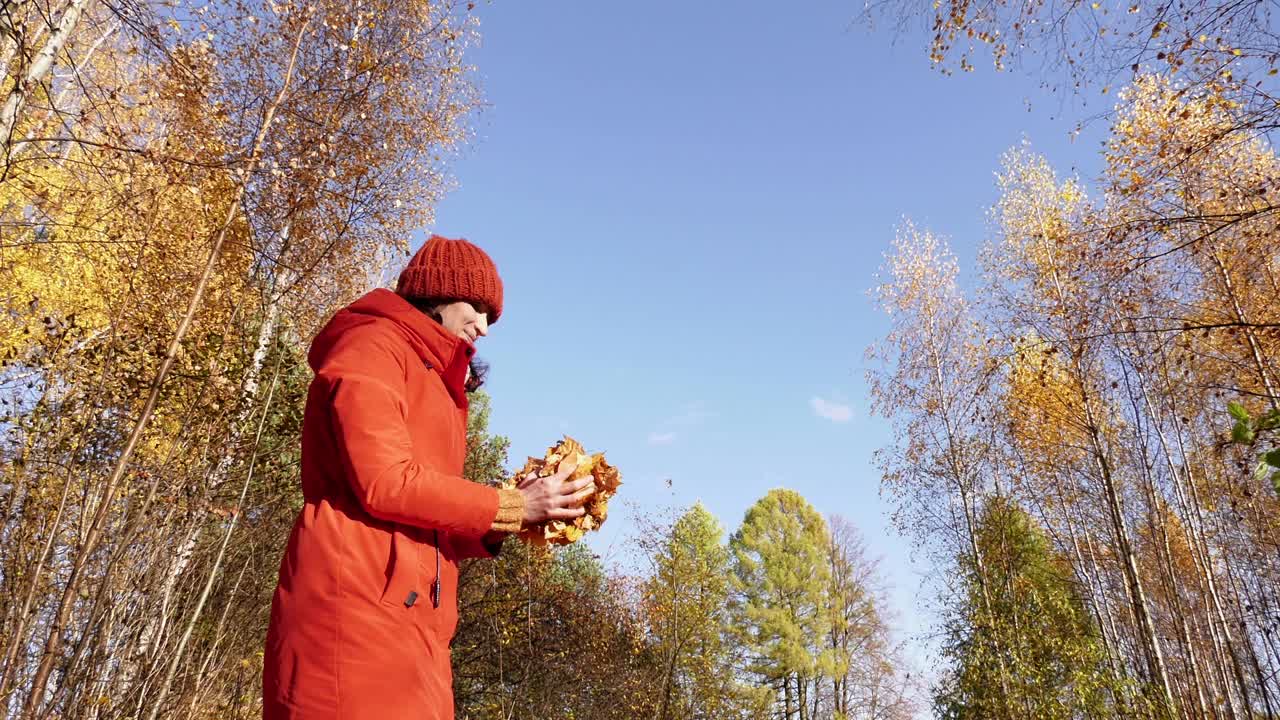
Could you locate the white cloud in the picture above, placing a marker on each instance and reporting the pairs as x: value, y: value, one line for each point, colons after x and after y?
x: 661, y: 438
x: 833, y: 411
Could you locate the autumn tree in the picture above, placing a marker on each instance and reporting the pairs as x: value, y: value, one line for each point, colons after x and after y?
x: 933, y: 384
x: 1099, y: 45
x: 1055, y: 663
x: 1118, y: 330
x: 781, y: 578
x: 869, y: 678
x: 686, y: 609
x: 187, y: 193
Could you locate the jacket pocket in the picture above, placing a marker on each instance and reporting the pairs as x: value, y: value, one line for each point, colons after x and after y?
x: 404, y: 580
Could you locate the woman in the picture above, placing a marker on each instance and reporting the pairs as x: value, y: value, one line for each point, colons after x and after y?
x: 366, y: 604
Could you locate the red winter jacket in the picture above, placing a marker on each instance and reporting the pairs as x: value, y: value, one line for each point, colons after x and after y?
x: 362, y: 619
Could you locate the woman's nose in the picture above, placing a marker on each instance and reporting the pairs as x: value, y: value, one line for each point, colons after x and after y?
x: 482, y: 324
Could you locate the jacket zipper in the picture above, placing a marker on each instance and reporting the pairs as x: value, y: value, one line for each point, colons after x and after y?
x: 435, y: 534
x: 435, y: 585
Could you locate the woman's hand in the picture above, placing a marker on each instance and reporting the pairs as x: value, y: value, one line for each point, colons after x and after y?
x: 555, y: 497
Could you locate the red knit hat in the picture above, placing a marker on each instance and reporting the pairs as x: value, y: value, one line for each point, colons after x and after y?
x: 445, y: 268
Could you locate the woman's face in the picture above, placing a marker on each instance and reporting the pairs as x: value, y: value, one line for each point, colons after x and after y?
x: 464, y: 319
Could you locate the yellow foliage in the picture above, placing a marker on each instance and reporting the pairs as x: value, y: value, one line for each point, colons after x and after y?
x: 1043, y: 404
x: 1038, y: 216
x: 100, y: 272
x: 57, y: 269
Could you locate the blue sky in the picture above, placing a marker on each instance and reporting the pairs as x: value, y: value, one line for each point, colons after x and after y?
x: 688, y: 203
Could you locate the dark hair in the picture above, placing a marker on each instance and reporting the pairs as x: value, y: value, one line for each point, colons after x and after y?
x: 479, y: 371
x: 428, y: 307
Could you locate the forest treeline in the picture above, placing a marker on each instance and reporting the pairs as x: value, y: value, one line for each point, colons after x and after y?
x: 1084, y: 443
x: 187, y: 192
x: 1084, y: 433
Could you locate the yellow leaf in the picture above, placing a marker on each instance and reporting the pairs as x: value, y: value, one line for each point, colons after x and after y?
x: 561, y: 455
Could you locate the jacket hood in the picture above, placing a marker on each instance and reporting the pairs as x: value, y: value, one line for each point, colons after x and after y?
x: 427, y: 338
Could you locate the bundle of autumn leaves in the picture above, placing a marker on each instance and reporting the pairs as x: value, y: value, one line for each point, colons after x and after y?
x: 566, y: 453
